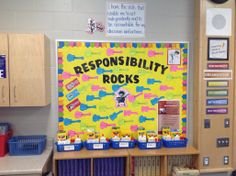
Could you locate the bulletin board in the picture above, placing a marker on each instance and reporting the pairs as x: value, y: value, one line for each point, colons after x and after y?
x: 125, y: 84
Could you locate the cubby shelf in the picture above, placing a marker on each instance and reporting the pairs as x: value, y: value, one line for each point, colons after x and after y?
x: 95, y: 154
x: 164, y: 154
x: 129, y: 155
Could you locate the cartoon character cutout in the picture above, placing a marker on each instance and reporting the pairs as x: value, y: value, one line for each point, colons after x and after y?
x: 121, y: 98
x: 174, y: 57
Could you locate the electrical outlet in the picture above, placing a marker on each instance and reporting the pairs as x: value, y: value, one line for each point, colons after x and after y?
x: 227, y: 142
x: 226, y: 123
x: 218, y: 143
x: 205, y: 161
x: 207, y: 123
x: 226, y: 160
x: 222, y: 142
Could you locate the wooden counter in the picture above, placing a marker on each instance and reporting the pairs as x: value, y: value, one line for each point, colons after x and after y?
x: 26, y: 165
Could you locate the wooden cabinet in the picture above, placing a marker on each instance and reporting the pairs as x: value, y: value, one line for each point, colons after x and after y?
x: 4, y: 83
x: 28, y: 73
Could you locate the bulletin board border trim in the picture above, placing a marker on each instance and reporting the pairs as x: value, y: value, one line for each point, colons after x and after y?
x: 128, y: 41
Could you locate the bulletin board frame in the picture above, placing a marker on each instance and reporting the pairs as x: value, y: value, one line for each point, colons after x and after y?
x: 147, y: 42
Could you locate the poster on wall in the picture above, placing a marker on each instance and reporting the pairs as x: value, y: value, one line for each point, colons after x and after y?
x: 125, y: 19
x: 168, y: 114
x: 125, y: 84
x: 218, y: 48
x: 3, y: 73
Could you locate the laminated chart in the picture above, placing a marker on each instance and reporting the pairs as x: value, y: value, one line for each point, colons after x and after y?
x: 125, y: 84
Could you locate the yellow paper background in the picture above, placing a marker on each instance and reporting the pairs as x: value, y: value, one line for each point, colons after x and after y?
x: 80, y: 49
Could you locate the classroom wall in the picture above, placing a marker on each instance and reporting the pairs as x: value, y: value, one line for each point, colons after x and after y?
x: 166, y: 20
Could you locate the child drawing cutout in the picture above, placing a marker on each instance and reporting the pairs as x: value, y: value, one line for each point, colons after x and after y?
x: 120, y: 97
x: 91, y: 25
x: 94, y: 26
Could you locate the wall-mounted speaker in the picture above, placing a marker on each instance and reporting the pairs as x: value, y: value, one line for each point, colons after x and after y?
x: 218, y: 22
x: 219, y: 1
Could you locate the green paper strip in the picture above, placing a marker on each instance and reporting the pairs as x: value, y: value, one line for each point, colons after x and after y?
x: 60, y: 66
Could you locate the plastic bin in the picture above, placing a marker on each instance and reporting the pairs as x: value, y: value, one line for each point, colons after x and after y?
x: 122, y: 144
x: 149, y: 145
x: 175, y: 144
x: 27, y: 145
x: 184, y: 171
x: 68, y: 147
x: 97, y: 146
x: 3, y: 143
x: 4, y: 128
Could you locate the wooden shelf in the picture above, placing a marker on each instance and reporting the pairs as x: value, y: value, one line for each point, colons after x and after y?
x: 164, y: 152
x: 124, y: 153
x: 90, y: 154
x: 227, y: 169
x: 82, y: 154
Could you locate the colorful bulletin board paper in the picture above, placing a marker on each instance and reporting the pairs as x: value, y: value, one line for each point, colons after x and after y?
x: 125, y: 84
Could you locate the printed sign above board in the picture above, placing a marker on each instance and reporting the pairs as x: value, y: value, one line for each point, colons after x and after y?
x: 105, y: 84
x: 125, y: 19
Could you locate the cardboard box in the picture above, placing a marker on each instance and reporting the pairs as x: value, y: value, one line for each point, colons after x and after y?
x: 184, y: 171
